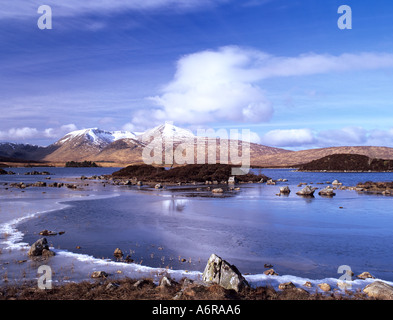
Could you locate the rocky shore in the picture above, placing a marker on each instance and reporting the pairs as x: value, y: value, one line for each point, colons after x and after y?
x: 220, y: 281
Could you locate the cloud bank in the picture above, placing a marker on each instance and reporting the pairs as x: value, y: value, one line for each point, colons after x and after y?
x: 27, y: 133
x: 226, y: 85
x: 347, y: 136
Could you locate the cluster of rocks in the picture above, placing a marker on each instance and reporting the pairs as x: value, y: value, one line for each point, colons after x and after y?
x: 220, y: 272
x: 40, y: 184
x: 38, y: 173
x: 383, y: 188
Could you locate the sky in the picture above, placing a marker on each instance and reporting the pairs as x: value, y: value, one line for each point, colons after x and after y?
x: 283, y: 69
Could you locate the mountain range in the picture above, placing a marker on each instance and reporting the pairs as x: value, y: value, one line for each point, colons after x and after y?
x: 120, y: 148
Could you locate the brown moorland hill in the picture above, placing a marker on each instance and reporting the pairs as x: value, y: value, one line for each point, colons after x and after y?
x: 296, y: 158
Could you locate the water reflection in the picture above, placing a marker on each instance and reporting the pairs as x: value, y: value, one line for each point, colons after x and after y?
x: 174, y: 204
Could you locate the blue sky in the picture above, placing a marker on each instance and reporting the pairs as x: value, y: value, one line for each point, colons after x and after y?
x: 280, y: 68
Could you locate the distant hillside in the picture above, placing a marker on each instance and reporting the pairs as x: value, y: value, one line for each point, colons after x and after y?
x: 296, y: 158
x: 347, y: 162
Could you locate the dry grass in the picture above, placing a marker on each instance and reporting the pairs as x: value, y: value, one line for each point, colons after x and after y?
x: 128, y: 289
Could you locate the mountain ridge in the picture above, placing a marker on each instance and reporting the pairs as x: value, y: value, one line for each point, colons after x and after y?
x: 125, y: 147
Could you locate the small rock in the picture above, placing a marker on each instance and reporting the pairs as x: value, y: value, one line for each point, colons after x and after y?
x: 324, y: 287
x: 47, y: 253
x: 270, y: 272
x: 217, y: 190
x: 365, y: 275
x: 308, y: 284
x: 128, y: 259
x: 48, y: 233
x: 99, y: 274
x: 285, y: 190
x: 165, y: 282
x: 118, y: 253
x: 158, y: 186
x: 286, y: 286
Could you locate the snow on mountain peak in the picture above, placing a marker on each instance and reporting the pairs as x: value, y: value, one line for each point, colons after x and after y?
x: 168, y: 131
x: 98, y: 136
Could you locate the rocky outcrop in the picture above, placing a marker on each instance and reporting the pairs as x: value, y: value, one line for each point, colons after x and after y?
x: 219, y: 271
x: 379, y: 290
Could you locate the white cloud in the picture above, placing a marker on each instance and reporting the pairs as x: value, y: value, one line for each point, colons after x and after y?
x: 21, y: 134
x: 18, y: 133
x: 289, y: 138
x: 343, y: 137
x: 347, y: 136
x: 20, y: 8
x: 214, y: 86
x: 224, y: 85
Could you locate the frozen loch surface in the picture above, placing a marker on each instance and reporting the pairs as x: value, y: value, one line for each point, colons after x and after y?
x: 175, y: 232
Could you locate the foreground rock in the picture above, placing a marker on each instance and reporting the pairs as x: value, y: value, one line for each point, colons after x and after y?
x: 219, y: 271
x: 379, y: 290
x: 40, y: 248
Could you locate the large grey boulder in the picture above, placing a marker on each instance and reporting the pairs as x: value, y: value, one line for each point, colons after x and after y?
x: 40, y: 248
x: 219, y: 271
x: 379, y: 290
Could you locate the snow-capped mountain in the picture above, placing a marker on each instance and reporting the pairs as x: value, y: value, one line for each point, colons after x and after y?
x: 165, y: 132
x: 97, y: 136
x: 120, y: 147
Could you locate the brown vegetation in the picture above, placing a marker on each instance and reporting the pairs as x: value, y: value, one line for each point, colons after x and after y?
x: 188, y: 173
x: 347, y: 162
x: 129, y: 289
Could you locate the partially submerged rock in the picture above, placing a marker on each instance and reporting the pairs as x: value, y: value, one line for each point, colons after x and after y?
x: 219, y: 271
x: 328, y: 192
x: 306, y: 191
x: 270, y: 272
x: 40, y: 248
x: 118, y: 253
x: 47, y: 233
x: 285, y: 190
x: 365, y: 275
